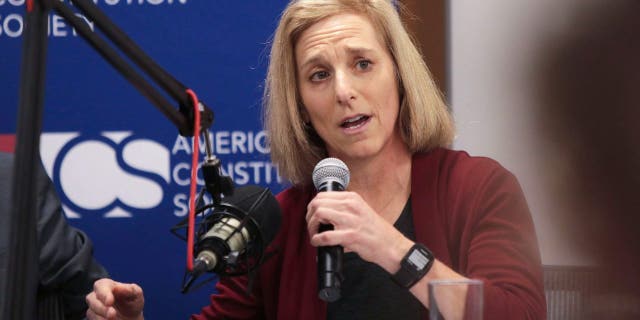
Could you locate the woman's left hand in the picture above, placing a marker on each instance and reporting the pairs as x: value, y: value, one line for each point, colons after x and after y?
x: 357, y: 227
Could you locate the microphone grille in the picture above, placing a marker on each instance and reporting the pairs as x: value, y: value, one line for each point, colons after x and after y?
x: 331, y: 169
x: 260, y: 204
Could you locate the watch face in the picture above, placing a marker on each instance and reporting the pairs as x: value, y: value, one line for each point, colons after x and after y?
x: 414, y: 266
x: 418, y: 259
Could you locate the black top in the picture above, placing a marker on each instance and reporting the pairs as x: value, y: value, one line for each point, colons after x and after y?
x: 368, y: 292
x: 66, y: 268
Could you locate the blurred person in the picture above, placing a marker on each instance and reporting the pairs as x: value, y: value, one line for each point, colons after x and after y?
x: 587, y: 82
x: 67, y: 268
x: 346, y: 81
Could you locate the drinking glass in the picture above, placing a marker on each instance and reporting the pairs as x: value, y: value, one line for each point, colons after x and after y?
x: 455, y: 299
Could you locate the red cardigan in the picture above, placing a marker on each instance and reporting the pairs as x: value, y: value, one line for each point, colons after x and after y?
x: 469, y: 211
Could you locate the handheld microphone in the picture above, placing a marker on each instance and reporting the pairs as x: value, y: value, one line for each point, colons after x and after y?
x: 330, y: 174
x: 240, y: 229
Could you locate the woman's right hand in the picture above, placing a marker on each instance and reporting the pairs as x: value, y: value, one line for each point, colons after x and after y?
x: 115, y: 300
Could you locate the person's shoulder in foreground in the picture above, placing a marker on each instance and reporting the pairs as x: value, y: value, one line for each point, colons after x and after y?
x: 67, y: 268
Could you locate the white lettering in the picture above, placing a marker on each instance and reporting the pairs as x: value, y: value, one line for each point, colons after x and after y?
x: 181, y: 180
x: 250, y: 144
x: 181, y: 144
x: 89, y: 23
x: 58, y: 26
x: 12, y: 30
x: 13, y: 25
x: 182, y: 205
x: 238, y: 141
x: 228, y: 171
x: 278, y: 177
x: 261, y: 142
x: 201, y: 144
x: 20, y: 3
x: 241, y: 172
x: 222, y: 142
x: 256, y: 170
x: 181, y: 174
x: 268, y: 168
x: 226, y: 142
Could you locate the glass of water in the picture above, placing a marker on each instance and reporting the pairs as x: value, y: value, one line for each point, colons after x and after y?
x: 455, y: 299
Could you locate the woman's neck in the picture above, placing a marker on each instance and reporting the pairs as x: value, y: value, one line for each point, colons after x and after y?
x: 384, y: 182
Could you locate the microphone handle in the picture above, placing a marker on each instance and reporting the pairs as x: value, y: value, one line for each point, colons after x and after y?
x: 329, y: 269
x: 330, y: 257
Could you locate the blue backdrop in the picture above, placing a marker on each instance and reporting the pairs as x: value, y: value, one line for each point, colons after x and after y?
x: 119, y: 165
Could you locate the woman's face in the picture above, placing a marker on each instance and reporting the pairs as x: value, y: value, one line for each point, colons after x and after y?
x: 347, y: 82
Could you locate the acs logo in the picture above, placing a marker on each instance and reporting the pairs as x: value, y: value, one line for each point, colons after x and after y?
x: 111, y: 174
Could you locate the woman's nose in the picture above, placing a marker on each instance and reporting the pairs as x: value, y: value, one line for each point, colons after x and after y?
x: 344, y: 89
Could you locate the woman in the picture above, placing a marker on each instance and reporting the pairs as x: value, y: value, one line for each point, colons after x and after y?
x: 346, y: 81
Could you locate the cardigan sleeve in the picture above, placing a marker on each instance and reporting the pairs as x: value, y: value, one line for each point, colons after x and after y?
x: 498, y: 243
x: 233, y: 302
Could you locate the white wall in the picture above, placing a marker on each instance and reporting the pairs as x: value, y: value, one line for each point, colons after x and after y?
x: 494, y: 53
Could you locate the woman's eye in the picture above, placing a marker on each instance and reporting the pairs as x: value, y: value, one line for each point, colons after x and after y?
x: 363, y: 64
x: 317, y: 76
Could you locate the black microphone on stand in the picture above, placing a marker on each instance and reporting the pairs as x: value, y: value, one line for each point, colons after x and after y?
x: 330, y: 174
x: 243, y: 223
x: 234, y: 235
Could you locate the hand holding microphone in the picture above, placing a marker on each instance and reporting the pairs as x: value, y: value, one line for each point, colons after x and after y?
x: 344, y: 220
x: 330, y: 175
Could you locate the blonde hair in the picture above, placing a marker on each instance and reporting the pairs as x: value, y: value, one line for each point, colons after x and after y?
x: 423, y: 118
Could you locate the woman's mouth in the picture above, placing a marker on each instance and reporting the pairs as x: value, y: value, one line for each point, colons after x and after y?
x: 355, y: 122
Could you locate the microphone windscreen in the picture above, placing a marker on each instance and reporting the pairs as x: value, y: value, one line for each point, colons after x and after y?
x: 261, y: 206
x: 332, y: 169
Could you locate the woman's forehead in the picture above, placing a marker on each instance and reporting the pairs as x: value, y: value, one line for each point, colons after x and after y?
x: 354, y: 32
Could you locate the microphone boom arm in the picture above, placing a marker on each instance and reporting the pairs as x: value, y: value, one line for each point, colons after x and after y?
x: 22, y: 249
x: 182, y: 118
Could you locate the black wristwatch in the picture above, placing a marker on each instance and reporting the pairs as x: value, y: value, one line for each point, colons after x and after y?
x: 414, y: 266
